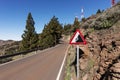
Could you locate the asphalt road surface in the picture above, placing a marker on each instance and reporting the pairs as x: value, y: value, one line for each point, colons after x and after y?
x: 44, y: 65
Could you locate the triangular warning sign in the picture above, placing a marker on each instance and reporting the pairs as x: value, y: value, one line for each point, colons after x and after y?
x: 77, y: 38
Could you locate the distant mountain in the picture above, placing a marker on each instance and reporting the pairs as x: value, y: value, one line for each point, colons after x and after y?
x: 8, y: 46
x: 3, y: 42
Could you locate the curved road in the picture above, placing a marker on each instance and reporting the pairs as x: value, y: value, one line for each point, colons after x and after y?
x: 42, y: 66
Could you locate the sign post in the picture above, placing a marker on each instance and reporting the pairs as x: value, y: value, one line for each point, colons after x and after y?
x: 77, y: 62
x: 77, y: 39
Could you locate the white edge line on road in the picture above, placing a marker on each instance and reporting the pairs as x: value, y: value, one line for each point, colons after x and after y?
x: 58, y: 76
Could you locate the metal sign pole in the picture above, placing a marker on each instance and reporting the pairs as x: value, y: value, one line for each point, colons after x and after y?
x: 77, y: 39
x: 77, y: 62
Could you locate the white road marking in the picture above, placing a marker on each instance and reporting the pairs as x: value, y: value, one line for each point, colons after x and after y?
x: 60, y: 71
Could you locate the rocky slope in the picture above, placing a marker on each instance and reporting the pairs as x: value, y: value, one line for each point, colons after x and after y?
x: 104, y: 52
x: 101, y: 56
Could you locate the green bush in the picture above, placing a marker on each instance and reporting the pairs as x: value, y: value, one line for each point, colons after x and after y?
x: 106, y: 24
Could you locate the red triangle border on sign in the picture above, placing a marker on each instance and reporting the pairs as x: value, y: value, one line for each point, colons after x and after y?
x: 82, y: 37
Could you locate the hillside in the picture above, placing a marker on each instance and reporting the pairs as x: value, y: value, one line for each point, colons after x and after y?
x: 2, y: 42
x: 104, y: 19
x: 8, y: 46
x: 101, y: 56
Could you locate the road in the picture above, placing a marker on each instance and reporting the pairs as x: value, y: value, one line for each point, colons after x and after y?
x: 44, y: 65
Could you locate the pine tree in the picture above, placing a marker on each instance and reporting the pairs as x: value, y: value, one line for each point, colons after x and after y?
x: 55, y: 29
x: 29, y: 37
x: 51, y: 33
x: 76, y: 25
x: 99, y: 11
x: 67, y: 29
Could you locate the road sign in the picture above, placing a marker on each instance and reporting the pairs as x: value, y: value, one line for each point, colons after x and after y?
x: 77, y: 38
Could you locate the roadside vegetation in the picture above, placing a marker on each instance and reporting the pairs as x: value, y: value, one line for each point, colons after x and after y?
x: 49, y: 37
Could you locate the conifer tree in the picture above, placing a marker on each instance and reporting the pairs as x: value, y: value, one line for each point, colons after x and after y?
x: 67, y: 29
x: 98, y: 11
x: 51, y: 33
x: 29, y: 37
x: 76, y: 25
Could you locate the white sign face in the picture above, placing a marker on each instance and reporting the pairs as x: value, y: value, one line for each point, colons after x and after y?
x: 77, y: 38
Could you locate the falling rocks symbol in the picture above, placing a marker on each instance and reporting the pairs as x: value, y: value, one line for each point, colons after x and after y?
x: 77, y: 38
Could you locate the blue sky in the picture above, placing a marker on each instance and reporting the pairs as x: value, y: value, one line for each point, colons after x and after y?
x: 13, y: 13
